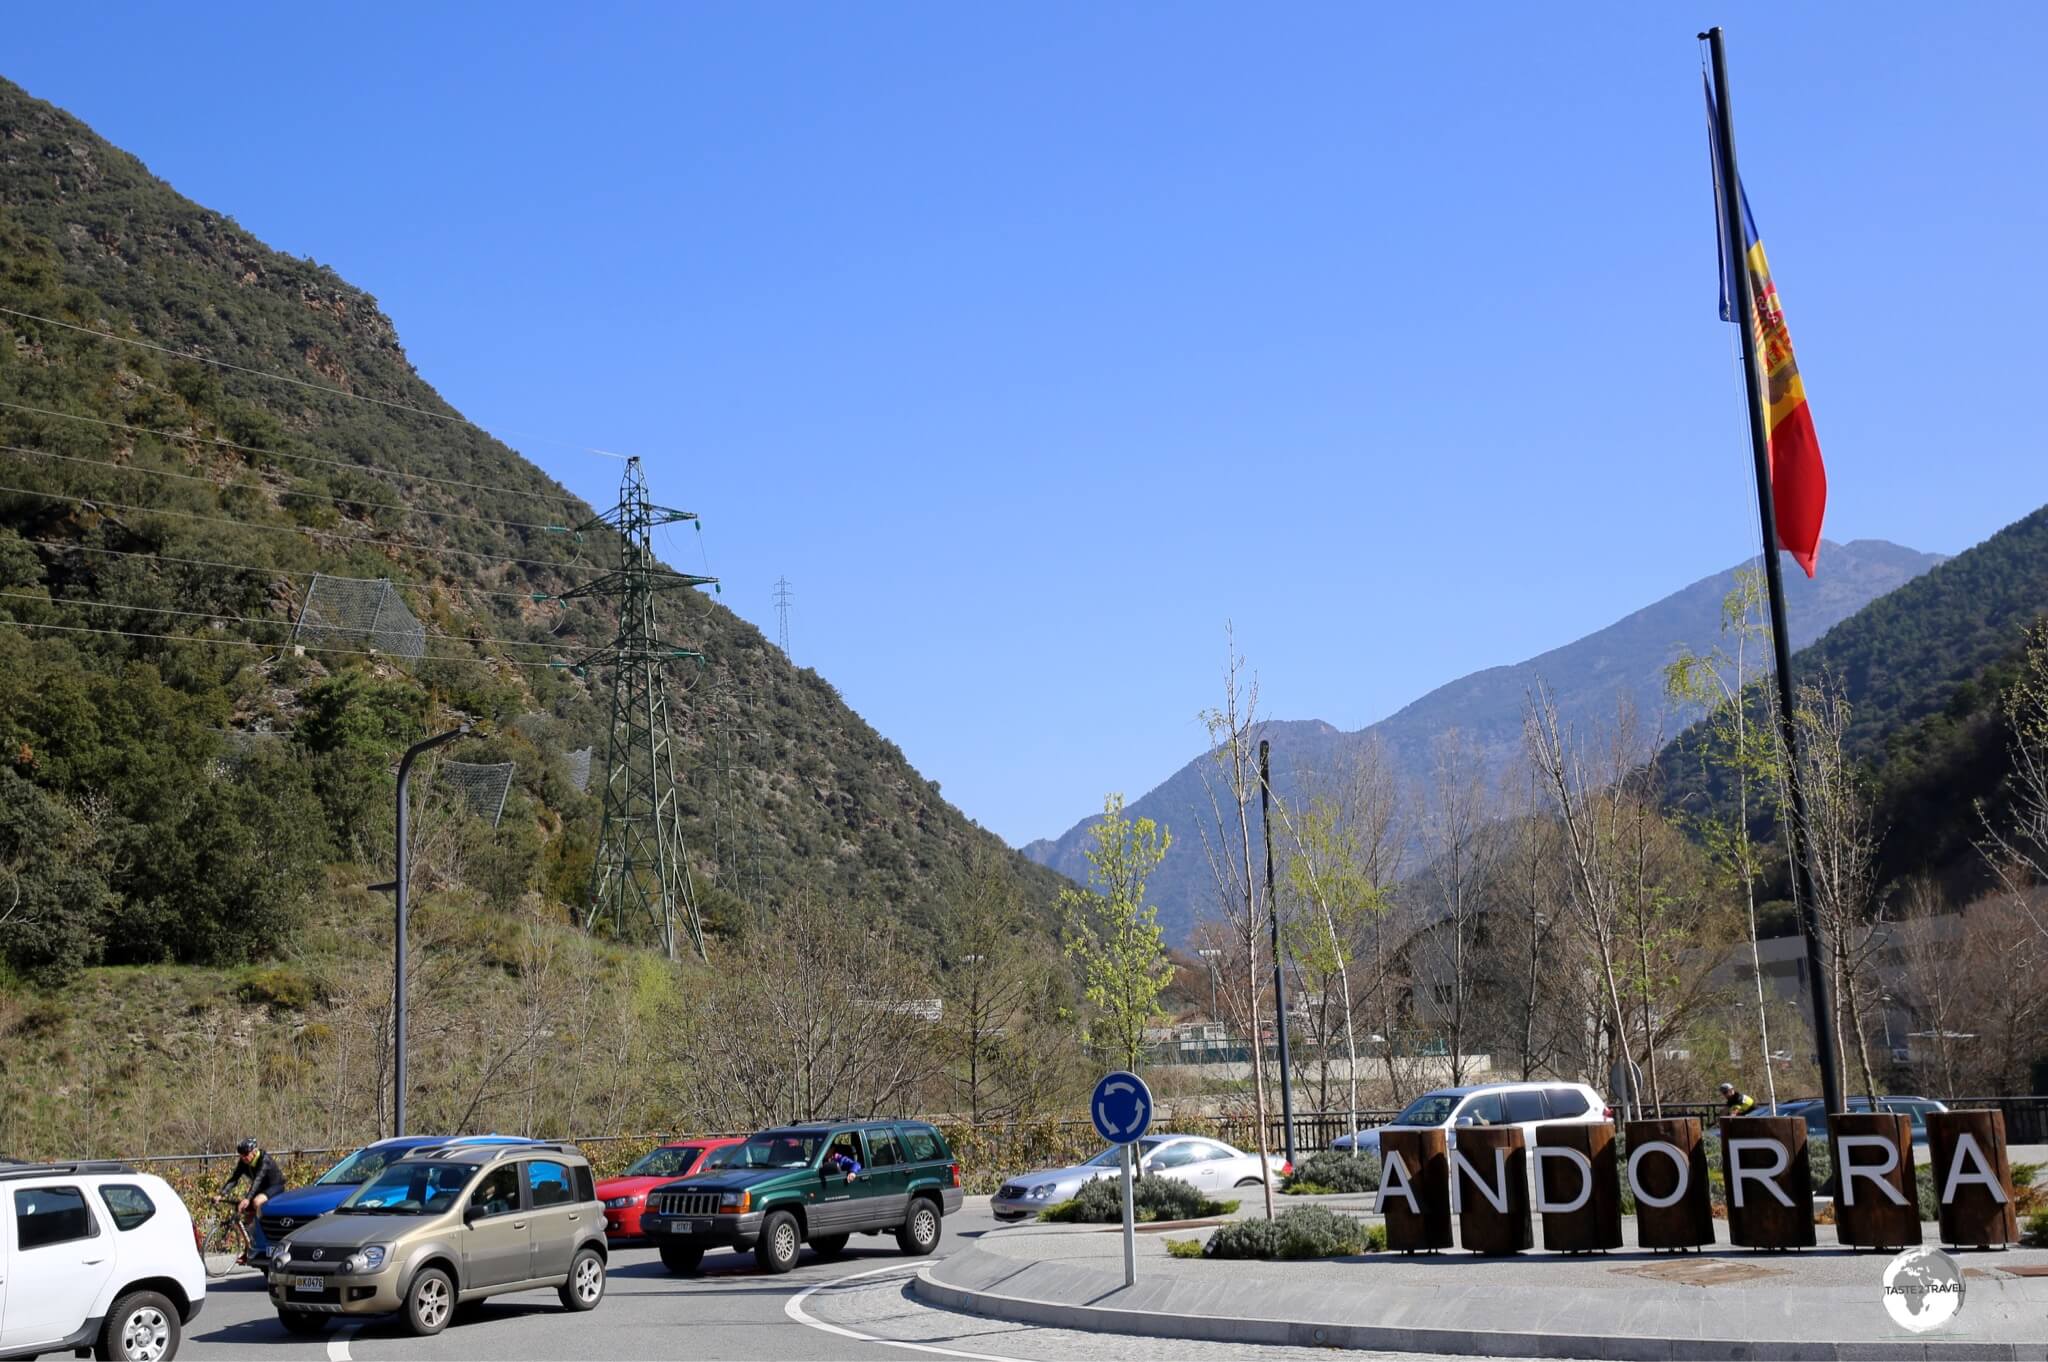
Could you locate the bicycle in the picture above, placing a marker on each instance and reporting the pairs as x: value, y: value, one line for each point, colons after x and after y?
x: 227, y: 1245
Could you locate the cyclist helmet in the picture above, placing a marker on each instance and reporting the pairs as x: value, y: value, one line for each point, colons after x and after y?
x: 1727, y: 1087
x: 246, y: 1148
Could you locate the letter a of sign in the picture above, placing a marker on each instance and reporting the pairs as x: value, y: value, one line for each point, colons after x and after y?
x: 1394, y: 1182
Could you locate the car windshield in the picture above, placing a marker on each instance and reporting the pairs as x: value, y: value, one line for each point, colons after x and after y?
x: 662, y: 1163
x: 1430, y: 1109
x: 720, y: 1157
x: 409, y: 1188
x: 1113, y: 1156
x: 777, y: 1149
x: 358, y: 1167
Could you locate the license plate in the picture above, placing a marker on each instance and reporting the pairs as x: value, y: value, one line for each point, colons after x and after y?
x: 308, y: 1284
x: 700, y: 1227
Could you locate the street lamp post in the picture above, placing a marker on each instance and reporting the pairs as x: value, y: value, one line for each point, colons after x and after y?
x: 398, y: 887
x: 1210, y: 956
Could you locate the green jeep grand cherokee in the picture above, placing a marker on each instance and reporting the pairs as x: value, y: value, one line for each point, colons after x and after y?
x: 784, y: 1188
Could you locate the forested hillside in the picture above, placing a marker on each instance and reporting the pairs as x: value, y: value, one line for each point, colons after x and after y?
x: 1922, y: 670
x: 175, y: 774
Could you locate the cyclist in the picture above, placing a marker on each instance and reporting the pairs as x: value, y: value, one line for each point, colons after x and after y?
x: 265, y: 1181
x: 1739, y: 1103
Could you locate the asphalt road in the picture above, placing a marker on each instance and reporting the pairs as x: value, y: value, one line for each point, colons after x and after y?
x: 855, y: 1307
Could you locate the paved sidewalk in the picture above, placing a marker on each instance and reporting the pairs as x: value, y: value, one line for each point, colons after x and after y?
x: 1721, y: 1303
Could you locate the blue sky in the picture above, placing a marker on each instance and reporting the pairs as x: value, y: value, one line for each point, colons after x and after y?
x: 1033, y: 343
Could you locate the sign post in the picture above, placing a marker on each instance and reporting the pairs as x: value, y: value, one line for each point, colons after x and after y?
x: 1122, y: 1111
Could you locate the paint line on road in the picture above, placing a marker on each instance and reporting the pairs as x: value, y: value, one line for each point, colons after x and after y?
x: 794, y: 1308
x: 337, y: 1347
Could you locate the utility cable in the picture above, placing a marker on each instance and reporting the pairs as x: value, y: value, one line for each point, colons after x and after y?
x: 66, y: 546
x: 284, y: 454
x: 290, y: 529
x: 259, y: 487
x: 271, y: 647
x: 249, y: 619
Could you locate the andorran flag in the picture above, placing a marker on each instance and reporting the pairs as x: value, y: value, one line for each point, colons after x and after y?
x: 1799, y: 483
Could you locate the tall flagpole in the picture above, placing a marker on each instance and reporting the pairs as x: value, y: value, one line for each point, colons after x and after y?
x: 1742, y: 303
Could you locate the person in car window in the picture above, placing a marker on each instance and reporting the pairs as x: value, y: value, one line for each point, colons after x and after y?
x: 265, y: 1180
x: 844, y: 1157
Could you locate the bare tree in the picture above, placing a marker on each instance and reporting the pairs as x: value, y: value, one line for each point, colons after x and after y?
x: 2016, y: 845
x: 1935, y: 979
x: 1462, y: 846
x: 1592, y: 807
x: 1841, y: 846
x: 1232, y: 781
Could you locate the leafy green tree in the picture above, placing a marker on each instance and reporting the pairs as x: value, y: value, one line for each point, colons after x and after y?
x: 1114, y: 935
x: 55, y: 901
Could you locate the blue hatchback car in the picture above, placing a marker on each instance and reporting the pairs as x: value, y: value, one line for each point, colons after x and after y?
x: 294, y: 1210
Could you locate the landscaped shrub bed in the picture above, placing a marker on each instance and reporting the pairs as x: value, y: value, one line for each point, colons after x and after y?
x: 1101, y: 1202
x: 1298, y: 1232
x: 1330, y: 1171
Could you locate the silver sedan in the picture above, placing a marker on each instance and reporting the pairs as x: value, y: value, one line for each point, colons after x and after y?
x: 1210, y: 1165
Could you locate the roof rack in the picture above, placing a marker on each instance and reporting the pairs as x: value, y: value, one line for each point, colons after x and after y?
x: 448, y: 1149
x: 76, y: 1168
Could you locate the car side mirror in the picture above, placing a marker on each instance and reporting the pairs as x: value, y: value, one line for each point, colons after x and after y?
x: 472, y: 1213
x: 1464, y: 1120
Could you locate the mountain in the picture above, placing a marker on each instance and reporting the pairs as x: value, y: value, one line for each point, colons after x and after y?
x: 1588, y: 676
x: 196, y: 425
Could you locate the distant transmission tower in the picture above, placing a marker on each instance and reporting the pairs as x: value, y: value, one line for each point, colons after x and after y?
x: 782, y: 600
x: 641, y: 868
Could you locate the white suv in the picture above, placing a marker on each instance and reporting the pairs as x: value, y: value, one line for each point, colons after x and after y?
x: 95, y: 1255
x: 1528, y: 1105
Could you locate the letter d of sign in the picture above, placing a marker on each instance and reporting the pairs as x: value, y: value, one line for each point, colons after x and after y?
x: 1578, y: 1187
x: 1415, y: 1190
x: 1667, y: 1169
x: 1973, y: 1176
x: 1770, y: 1182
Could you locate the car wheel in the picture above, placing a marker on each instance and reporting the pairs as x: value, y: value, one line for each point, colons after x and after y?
x: 780, y: 1240
x: 585, y: 1287
x: 1248, y: 1182
x: 142, y: 1326
x: 429, y: 1302
x: 682, y: 1259
x: 302, y: 1322
x: 919, y: 1234
x: 829, y: 1245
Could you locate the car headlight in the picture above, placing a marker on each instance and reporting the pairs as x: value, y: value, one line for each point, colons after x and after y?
x: 735, y: 1202
x: 1041, y: 1191
x: 620, y: 1202
x: 281, y: 1255
x: 366, y: 1259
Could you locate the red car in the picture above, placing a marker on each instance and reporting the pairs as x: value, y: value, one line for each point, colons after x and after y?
x: 626, y: 1195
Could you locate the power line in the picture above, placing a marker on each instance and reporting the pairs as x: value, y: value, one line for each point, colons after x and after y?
x: 267, y: 647
x: 218, y: 617
x: 536, y: 597
x: 260, y: 487
x: 288, y: 529
x: 284, y: 454
x: 782, y: 603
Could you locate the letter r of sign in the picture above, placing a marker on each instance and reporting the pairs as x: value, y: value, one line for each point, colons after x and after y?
x: 1877, y: 1174
x: 1738, y: 1174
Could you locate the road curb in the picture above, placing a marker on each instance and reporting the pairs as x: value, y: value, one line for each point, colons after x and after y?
x: 1103, y: 1319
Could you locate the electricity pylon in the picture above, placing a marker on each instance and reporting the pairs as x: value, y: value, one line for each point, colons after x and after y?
x: 641, y: 868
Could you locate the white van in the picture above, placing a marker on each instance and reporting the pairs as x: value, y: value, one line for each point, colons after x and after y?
x: 1528, y: 1105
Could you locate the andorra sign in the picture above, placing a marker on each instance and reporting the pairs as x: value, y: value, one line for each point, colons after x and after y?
x: 1491, y: 1180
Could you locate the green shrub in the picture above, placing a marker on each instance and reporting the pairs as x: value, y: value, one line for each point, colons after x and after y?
x: 1298, y: 1232
x: 2036, y: 1235
x: 1101, y: 1202
x: 1189, y: 1248
x: 278, y: 986
x: 1331, y: 1171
